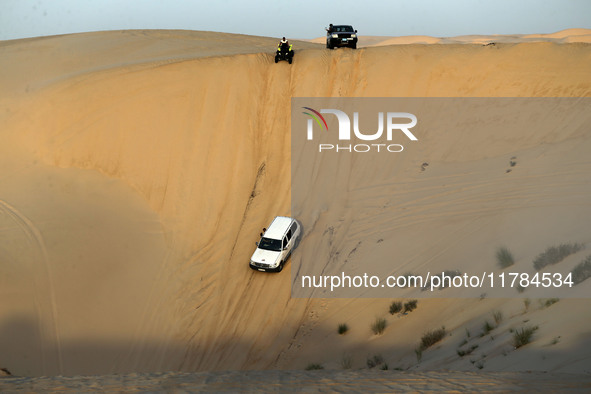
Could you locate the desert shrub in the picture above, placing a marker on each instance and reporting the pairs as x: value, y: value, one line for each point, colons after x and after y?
x: 486, y: 328
x: 465, y: 352
x: 314, y: 366
x: 582, y: 271
x: 375, y: 361
x: 343, y: 328
x: 498, y: 316
x: 395, y: 307
x: 504, y: 257
x: 430, y: 338
x: 384, y: 367
x: 524, y: 336
x: 419, y: 353
x: 443, y: 283
x: 549, y: 302
x: 379, y: 325
x: 410, y: 306
x: 448, y: 274
x: 346, y: 361
x: 555, y: 254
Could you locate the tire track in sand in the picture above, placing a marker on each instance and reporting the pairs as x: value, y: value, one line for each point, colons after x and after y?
x: 34, y: 236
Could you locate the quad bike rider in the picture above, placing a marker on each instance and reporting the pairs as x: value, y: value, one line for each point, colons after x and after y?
x: 284, y: 51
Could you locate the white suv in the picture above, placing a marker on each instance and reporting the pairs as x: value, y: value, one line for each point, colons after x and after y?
x: 276, y: 244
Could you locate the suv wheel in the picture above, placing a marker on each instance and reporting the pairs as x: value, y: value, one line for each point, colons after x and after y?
x: 280, y: 268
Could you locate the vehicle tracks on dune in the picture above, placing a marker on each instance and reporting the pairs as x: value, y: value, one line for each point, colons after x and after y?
x: 35, y: 238
x: 255, y: 191
x: 344, y: 72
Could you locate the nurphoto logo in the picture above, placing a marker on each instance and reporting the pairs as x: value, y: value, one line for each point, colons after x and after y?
x: 396, y: 122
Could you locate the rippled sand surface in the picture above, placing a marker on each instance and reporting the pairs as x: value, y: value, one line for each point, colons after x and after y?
x: 306, y: 381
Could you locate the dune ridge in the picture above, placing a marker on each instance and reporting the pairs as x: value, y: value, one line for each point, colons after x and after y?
x: 562, y: 36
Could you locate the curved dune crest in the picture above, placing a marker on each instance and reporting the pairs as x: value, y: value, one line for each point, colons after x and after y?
x: 563, y: 36
x: 563, y: 33
x: 401, y: 40
x: 149, y: 162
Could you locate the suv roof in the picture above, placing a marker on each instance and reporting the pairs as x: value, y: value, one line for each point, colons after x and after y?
x: 278, y: 227
x: 347, y: 27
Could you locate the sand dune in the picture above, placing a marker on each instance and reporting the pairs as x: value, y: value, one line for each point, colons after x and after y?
x: 137, y: 169
x: 304, y: 381
x: 563, y: 36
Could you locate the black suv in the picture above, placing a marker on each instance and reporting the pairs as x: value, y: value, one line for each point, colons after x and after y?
x: 341, y: 36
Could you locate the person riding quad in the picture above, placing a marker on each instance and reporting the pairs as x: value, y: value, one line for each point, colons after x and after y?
x: 283, y: 45
x: 284, y: 51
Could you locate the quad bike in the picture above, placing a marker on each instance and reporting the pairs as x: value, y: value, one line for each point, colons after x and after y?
x: 284, y: 52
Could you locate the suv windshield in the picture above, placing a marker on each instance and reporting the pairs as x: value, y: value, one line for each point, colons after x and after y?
x: 270, y: 244
x: 343, y: 29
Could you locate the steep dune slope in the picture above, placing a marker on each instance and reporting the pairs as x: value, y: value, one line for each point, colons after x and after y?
x: 183, y: 158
